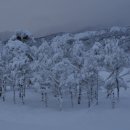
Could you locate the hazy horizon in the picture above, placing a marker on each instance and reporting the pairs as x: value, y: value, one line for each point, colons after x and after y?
x: 51, y: 16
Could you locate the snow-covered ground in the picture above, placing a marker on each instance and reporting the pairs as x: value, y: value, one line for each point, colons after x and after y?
x: 33, y: 116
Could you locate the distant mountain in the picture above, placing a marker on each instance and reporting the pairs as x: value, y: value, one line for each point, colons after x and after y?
x: 96, y: 34
x: 101, y: 33
x: 90, y: 36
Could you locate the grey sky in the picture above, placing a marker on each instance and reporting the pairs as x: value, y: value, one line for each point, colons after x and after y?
x: 49, y: 16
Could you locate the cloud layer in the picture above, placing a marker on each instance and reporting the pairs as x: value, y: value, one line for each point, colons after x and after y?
x: 50, y: 16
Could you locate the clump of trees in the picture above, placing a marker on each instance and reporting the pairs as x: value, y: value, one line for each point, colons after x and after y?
x: 115, y: 61
x: 63, y: 68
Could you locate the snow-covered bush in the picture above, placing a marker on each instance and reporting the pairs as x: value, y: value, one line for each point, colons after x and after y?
x: 23, y: 36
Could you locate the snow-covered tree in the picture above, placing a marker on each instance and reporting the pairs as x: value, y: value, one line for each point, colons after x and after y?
x: 90, y: 78
x: 41, y: 70
x: 60, y: 74
x: 77, y: 59
x: 97, y: 57
x: 19, y: 59
x: 115, y: 61
x: 2, y: 74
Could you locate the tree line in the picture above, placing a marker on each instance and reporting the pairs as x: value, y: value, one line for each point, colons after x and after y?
x: 63, y: 68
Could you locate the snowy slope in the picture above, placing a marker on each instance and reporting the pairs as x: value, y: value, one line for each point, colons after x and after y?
x: 32, y: 117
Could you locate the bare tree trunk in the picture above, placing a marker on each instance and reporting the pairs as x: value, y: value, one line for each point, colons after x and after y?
x: 79, y: 95
x: 89, y: 100
x: 97, y: 91
x: 71, y: 95
x: 91, y: 93
x: 3, y: 92
x: 24, y: 90
x: 0, y: 91
x: 14, y: 99
x: 60, y: 99
x: 42, y: 96
x: 113, y: 99
x: 22, y: 93
x: 60, y: 102
x: 46, y: 103
x: 118, y: 89
x: 3, y: 95
x: 117, y: 83
x: 22, y: 99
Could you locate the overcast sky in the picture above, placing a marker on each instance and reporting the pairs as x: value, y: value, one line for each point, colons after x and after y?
x: 50, y: 16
